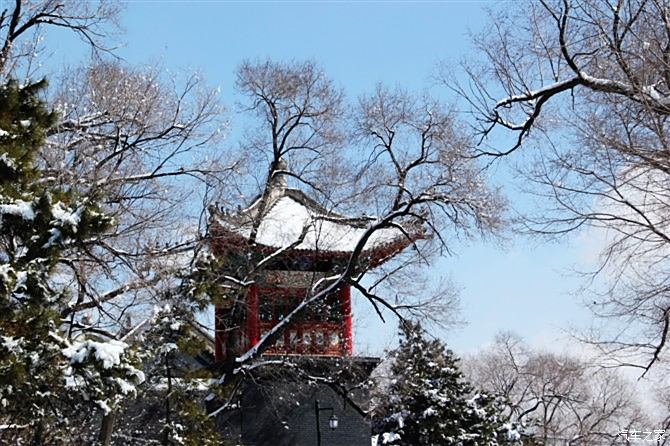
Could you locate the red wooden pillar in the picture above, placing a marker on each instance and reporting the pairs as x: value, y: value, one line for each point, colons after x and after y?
x: 218, y: 334
x: 251, y: 328
x: 345, y: 296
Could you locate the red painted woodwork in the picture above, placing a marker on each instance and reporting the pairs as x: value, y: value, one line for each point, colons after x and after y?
x: 252, y: 334
x: 322, y: 330
x: 218, y: 334
x: 345, y: 296
x: 223, y: 241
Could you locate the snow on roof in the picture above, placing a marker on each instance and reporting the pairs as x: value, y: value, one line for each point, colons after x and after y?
x: 291, y: 212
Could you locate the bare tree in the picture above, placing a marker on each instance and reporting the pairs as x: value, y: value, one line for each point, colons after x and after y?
x: 557, y: 398
x: 22, y: 23
x: 142, y: 147
x: 409, y: 165
x: 134, y: 139
x: 585, y: 83
x: 138, y: 143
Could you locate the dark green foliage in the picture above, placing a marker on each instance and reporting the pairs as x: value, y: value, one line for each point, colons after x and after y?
x: 19, y: 142
x: 428, y: 402
x: 177, y: 384
x: 44, y: 374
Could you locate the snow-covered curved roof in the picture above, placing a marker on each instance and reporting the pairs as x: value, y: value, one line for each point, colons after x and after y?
x: 289, y: 213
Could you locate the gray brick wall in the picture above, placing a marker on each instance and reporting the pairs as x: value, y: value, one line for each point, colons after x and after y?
x: 271, y: 418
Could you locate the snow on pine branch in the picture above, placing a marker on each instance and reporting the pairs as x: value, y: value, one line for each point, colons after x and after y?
x: 103, y: 372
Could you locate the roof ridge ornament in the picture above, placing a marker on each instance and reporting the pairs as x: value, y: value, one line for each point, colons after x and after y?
x: 278, y: 181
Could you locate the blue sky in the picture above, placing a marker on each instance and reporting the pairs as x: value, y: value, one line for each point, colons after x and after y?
x: 521, y: 286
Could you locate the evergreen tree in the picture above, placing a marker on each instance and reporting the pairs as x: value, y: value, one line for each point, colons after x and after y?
x: 428, y: 402
x: 44, y: 373
x: 176, y: 386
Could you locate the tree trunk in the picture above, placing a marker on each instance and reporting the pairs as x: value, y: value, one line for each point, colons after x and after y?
x: 106, y: 429
x: 39, y: 434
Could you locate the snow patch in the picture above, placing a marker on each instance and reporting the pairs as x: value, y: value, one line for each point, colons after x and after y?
x: 108, y: 353
x: 9, y: 162
x: 5, y: 269
x: 54, y: 236
x: 11, y: 344
x: 124, y: 386
x: 175, y: 326
x: 64, y: 216
x: 168, y: 347
x: 74, y: 381
x: 19, y: 208
x: 102, y: 404
x: 429, y: 412
x: 389, y: 437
